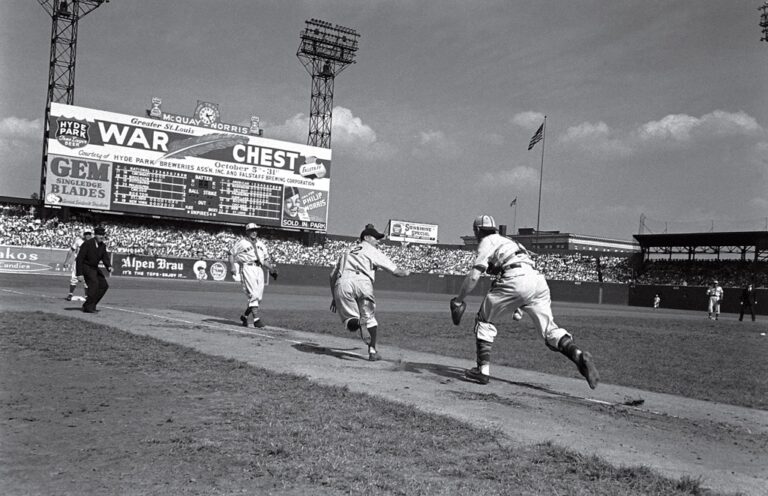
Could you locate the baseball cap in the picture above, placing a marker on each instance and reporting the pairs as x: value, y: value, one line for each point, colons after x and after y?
x: 370, y: 231
x: 251, y: 226
x: 86, y: 233
x: 100, y: 231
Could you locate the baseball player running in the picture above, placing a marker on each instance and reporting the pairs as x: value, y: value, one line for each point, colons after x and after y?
x: 71, y: 257
x: 246, y: 259
x: 518, y: 285
x: 715, y: 294
x: 352, y: 286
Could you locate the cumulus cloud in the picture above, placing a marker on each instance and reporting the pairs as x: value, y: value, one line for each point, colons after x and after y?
x: 682, y: 128
x: 528, y: 119
x: 16, y: 130
x: 347, y: 131
x: 21, y: 147
x: 597, y: 138
x: 435, y: 143
x: 519, y: 176
x: 677, y: 129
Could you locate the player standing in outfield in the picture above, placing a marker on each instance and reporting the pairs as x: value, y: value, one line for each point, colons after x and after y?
x: 656, y: 301
x: 246, y: 259
x: 518, y: 285
x: 352, y: 286
x: 715, y: 295
x: 71, y: 257
x: 91, y: 253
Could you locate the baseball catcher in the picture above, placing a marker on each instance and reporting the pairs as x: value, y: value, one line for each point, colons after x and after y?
x: 518, y: 286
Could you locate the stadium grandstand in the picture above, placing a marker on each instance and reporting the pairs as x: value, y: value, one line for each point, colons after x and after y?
x: 686, y: 259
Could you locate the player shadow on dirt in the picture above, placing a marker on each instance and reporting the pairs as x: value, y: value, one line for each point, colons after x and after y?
x: 227, y: 322
x: 322, y: 350
x: 457, y: 373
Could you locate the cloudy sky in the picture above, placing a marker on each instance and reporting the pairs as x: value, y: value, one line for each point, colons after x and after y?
x: 653, y: 107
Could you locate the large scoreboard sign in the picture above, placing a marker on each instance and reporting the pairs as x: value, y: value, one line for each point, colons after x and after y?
x: 106, y: 161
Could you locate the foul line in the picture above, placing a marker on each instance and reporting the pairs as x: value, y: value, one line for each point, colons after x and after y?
x: 268, y: 336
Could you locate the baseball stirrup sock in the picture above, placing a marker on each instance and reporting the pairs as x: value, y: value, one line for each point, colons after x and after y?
x: 567, y: 347
x: 372, y: 332
x: 483, y: 353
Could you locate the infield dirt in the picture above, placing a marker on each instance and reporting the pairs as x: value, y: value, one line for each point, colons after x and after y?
x: 723, y: 445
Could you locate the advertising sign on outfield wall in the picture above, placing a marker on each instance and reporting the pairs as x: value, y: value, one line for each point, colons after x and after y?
x: 412, y: 232
x: 170, y: 268
x: 107, y: 161
x: 29, y: 260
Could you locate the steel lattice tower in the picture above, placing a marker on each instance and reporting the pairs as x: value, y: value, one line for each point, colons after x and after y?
x: 764, y: 21
x: 61, y: 74
x: 325, y: 50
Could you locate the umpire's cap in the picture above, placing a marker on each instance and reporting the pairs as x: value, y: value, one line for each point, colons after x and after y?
x: 370, y: 231
x: 100, y: 231
x: 251, y: 226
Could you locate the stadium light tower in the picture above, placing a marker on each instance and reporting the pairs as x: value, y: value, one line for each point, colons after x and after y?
x: 764, y: 21
x: 61, y: 69
x: 325, y: 50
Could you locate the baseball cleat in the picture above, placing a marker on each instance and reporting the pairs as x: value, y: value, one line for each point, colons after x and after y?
x: 588, y: 370
x: 258, y: 323
x: 68, y: 298
x: 244, y: 320
x: 475, y: 375
x: 374, y: 357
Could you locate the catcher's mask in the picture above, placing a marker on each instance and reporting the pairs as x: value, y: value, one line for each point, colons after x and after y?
x: 484, y: 223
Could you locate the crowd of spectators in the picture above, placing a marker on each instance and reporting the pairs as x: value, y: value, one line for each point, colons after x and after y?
x: 159, y: 238
x: 729, y: 273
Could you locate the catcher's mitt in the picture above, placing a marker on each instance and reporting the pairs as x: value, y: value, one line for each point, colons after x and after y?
x: 457, y: 310
x: 273, y: 273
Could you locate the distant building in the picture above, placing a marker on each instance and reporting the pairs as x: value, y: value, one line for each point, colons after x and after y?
x: 555, y: 241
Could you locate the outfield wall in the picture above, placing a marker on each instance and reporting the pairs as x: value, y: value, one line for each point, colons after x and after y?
x: 693, y: 298
x: 15, y: 259
x: 585, y: 292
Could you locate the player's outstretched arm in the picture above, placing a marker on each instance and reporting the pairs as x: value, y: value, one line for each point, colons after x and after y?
x: 469, y: 283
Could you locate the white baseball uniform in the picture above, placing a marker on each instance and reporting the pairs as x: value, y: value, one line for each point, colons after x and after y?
x: 76, y: 244
x: 355, y: 273
x: 249, y: 256
x: 715, y: 294
x: 518, y: 285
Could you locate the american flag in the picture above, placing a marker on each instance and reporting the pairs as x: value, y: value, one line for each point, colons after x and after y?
x: 514, y: 202
x: 536, y: 137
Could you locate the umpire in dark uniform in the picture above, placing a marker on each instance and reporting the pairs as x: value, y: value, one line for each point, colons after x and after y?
x: 748, y: 301
x: 91, y: 253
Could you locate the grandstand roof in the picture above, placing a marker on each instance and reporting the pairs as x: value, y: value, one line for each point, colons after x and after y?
x: 758, y: 239
x: 753, y: 243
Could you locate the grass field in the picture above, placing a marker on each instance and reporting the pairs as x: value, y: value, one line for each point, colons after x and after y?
x: 124, y: 414
x: 722, y: 361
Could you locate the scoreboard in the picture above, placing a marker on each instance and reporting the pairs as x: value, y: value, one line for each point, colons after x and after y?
x: 106, y: 161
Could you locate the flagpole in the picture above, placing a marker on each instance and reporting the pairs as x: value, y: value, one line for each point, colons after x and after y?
x: 541, y: 177
x: 514, y: 219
